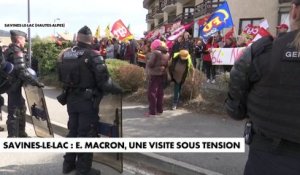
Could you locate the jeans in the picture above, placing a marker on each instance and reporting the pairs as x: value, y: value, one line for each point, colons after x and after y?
x: 177, y: 90
x: 199, y: 64
x: 210, y: 70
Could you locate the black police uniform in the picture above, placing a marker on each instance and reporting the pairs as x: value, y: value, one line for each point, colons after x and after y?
x: 265, y: 86
x: 16, y: 104
x: 5, y: 69
x: 85, y: 77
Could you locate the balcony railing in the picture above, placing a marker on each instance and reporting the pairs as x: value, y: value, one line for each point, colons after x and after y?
x: 157, y: 11
x: 149, y: 17
x: 168, y: 2
x: 207, y: 7
x: 184, y: 18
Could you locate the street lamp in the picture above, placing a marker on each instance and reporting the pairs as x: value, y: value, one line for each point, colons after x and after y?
x: 56, y: 19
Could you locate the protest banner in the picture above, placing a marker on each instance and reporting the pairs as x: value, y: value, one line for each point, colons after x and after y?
x: 226, y: 56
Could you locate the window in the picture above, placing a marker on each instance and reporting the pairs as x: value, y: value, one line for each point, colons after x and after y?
x: 283, y: 15
x: 284, y: 18
x: 246, y: 21
x: 188, y: 14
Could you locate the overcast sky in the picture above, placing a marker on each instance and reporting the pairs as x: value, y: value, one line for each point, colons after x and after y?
x: 75, y: 14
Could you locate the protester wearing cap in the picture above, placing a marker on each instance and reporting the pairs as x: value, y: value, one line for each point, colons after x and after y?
x: 16, y: 103
x: 156, y: 68
x: 85, y: 79
x: 180, y: 67
x: 282, y: 29
x: 264, y: 89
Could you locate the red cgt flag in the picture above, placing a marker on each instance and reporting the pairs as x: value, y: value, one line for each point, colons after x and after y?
x: 229, y: 34
x: 120, y: 31
x: 261, y: 33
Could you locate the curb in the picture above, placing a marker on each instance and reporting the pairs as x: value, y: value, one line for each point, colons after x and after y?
x: 166, y: 164
x: 150, y: 160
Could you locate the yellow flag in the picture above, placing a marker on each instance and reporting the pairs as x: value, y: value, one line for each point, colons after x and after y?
x: 129, y: 37
x: 97, y: 34
x: 107, y: 32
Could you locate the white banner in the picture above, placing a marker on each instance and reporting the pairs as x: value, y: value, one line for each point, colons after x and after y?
x: 124, y: 145
x: 226, y: 56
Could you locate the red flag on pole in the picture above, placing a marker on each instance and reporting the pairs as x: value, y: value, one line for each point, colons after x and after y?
x: 229, y: 34
x: 120, y: 31
x: 261, y: 33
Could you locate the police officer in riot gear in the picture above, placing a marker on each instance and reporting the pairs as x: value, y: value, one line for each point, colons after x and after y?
x: 265, y: 87
x: 5, y: 69
x: 16, y: 103
x: 85, y: 78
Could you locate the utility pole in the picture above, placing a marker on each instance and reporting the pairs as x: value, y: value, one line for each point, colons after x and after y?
x: 29, y: 35
x: 56, y: 19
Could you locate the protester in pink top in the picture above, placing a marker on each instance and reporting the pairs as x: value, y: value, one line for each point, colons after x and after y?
x: 156, y: 67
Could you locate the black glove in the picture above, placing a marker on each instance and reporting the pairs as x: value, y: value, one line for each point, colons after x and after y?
x: 112, y: 87
x: 1, y: 101
x: 116, y: 89
x: 235, y: 109
x: 40, y: 85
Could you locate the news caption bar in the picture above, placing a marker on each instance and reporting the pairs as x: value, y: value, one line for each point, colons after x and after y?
x: 124, y: 145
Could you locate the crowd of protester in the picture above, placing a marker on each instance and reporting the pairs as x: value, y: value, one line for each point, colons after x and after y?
x: 164, y: 63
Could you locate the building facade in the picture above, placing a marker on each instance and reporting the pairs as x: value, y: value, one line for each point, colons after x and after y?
x: 164, y: 12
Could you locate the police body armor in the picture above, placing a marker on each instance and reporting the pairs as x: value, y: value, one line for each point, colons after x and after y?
x: 74, y: 72
x: 20, y: 73
x: 275, y: 97
x: 5, y: 70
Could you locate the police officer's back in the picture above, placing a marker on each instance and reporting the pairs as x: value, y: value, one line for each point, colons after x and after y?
x: 264, y: 87
x: 85, y: 78
x: 16, y: 103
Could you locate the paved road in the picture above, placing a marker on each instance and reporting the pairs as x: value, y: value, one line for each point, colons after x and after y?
x: 186, y: 124
x: 179, y: 123
x: 49, y: 163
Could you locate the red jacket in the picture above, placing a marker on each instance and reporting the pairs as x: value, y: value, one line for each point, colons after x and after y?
x: 207, y: 47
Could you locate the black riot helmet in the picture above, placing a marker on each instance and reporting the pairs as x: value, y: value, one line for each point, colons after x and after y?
x: 85, y: 35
